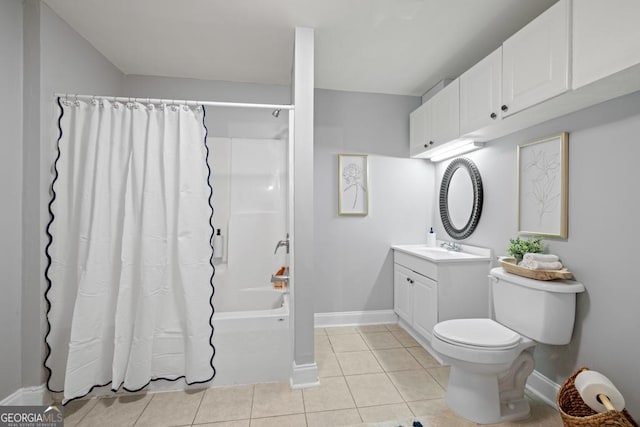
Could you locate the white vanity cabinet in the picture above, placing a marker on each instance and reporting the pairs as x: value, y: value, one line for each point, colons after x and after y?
x: 428, y: 291
x: 606, y: 38
x: 415, y: 299
x: 535, y: 60
x: 435, y: 122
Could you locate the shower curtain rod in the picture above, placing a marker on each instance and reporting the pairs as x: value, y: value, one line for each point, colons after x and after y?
x: 178, y: 102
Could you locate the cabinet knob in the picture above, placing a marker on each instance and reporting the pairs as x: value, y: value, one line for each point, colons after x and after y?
x: 426, y: 145
x: 504, y: 108
x: 493, y: 116
x: 408, y: 280
x: 411, y: 281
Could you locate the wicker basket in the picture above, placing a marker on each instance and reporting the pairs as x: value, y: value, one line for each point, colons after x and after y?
x: 576, y: 413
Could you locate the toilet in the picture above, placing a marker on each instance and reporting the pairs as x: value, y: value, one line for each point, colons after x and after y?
x: 491, y: 359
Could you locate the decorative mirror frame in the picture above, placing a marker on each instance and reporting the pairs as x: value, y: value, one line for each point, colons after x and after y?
x: 476, y: 209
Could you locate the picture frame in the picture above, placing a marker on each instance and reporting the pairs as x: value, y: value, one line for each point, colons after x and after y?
x: 543, y: 186
x: 353, y: 184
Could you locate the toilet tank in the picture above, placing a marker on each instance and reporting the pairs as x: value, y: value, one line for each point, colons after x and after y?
x: 541, y: 310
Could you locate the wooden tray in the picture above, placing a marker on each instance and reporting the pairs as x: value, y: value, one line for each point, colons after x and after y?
x: 511, y: 267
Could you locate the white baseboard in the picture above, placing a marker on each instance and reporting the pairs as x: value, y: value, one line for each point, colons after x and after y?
x: 37, y: 395
x: 304, y: 376
x: 355, y: 318
x: 543, y: 388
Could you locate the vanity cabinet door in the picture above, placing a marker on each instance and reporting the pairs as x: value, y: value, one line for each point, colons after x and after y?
x: 480, y: 93
x: 535, y: 60
x: 425, y: 305
x: 403, y: 292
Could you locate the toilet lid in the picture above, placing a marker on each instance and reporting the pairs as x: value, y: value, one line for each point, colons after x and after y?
x: 485, y: 333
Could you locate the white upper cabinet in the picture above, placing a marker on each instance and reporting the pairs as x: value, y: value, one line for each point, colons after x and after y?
x: 445, y: 121
x: 535, y: 60
x: 480, y: 93
x: 419, y: 121
x: 606, y: 38
x: 435, y: 122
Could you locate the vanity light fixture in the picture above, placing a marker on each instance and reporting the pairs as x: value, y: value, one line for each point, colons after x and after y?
x: 465, y: 146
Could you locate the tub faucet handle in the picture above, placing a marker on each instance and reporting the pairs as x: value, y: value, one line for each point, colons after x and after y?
x: 281, y: 243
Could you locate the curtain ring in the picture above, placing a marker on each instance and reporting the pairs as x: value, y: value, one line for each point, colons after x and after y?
x: 75, y: 101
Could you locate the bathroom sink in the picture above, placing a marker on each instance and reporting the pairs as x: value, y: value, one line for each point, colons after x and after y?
x: 439, y: 254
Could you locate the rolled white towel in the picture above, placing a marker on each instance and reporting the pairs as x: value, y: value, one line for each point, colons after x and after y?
x: 541, y: 265
x: 540, y: 257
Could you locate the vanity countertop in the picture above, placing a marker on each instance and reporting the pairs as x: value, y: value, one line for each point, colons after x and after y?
x: 439, y: 254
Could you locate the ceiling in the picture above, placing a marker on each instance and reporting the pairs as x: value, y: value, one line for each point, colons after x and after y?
x: 383, y: 46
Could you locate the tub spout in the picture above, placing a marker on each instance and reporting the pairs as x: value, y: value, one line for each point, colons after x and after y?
x: 279, y: 278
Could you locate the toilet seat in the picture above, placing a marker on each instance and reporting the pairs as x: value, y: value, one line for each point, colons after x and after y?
x: 477, y: 334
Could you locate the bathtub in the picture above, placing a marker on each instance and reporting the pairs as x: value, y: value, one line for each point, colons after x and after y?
x: 252, y: 338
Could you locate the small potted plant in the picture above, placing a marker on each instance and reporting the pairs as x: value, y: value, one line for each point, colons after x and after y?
x: 518, y: 247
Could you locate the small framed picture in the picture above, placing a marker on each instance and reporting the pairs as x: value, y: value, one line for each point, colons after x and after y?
x: 543, y: 185
x: 353, y: 187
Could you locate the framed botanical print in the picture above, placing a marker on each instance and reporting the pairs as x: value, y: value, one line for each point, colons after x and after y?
x: 543, y: 185
x: 353, y: 187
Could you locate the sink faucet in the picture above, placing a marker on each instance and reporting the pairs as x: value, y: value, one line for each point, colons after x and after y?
x: 452, y: 246
x: 281, y: 243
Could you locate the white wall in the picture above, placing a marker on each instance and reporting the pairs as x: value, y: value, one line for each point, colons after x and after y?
x: 354, y: 263
x: 601, y: 250
x: 57, y: 59
x: 10, y: 189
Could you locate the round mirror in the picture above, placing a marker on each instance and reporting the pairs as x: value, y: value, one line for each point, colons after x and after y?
x: 460, y: 198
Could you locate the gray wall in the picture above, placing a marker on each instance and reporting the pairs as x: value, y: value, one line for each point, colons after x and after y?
x: 223, y: 122
x: 354, y: 263
x: 57, y: 59
x: 10, y: 189
x: 601, y: 250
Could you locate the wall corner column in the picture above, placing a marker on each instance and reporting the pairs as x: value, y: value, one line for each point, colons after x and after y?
x: 305, y: 371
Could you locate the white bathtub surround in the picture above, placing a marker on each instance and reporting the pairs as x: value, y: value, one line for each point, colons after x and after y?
x: 130, y: 272
x: 249, y: 178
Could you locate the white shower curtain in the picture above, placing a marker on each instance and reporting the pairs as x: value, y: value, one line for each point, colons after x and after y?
x: 130, y: 273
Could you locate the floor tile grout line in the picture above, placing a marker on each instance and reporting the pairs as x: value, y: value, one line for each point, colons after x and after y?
x: 85, y: 415
x: 253, y: 395
x: 193, y: 421
x: 304, y: 408
x: 144, y: 409
x: 353, y: 398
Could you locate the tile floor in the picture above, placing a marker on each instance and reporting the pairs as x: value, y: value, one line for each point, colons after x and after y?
x: 374, y: 375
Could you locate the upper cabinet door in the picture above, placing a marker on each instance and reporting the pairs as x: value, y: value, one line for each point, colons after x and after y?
x: 606, y: 38
x: 419, y: 123
x: 435, y: 122
x: 535, y: 60
x: 480, y: 93
x: 446, y: 113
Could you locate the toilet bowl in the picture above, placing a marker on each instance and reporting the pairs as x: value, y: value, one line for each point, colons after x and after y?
x: 491, y: 359
x: 489, y: 368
